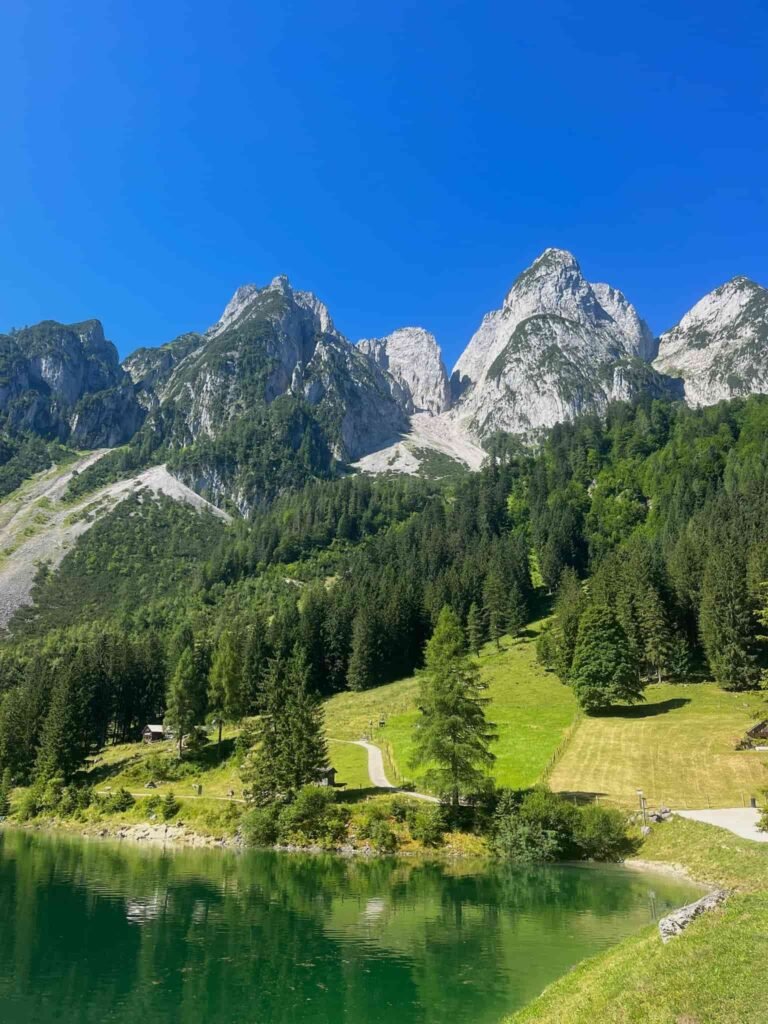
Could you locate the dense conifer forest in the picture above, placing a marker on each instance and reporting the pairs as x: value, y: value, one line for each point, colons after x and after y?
x: 646, y: 534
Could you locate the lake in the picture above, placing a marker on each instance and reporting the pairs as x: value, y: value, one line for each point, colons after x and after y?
x: 94, y: 932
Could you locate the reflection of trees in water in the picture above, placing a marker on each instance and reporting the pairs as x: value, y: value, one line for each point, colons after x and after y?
x: 126, y: 933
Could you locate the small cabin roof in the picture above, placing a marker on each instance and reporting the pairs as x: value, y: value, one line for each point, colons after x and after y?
x: 759, y: 729
x: 154, y: 728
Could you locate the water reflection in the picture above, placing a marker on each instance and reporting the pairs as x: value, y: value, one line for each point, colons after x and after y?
x: 94, y: 932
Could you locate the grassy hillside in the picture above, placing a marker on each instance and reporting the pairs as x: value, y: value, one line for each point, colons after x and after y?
x: 678, y: 747
x: 531, y: 709
x: 709, y: 975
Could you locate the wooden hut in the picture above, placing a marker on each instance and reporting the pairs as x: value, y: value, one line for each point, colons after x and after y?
x: 327, y: 776
x: 153, y: 733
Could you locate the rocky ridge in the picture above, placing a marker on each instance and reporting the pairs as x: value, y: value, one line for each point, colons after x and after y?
x: 720, y: 347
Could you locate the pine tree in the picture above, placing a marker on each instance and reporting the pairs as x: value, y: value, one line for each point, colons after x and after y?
x: 290, y: 750
x: 496, y: 606
x: 452, y: 736
x: 226, y: 690
x: 656, y: 635
x: 603, y: 670
x: 517, y: 610
x: 569, y: 607
x: 186, y: 698
x: 727, y: 621
x: 475, y: 631
x: 362, y: 670
x: 64, y: 741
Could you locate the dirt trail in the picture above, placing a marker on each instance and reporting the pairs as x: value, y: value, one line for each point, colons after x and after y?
x: 38, y: 524
x: 377, y: 774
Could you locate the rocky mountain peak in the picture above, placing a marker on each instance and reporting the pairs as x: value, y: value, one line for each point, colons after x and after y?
x: 412, y: 357
x: 720, y: 347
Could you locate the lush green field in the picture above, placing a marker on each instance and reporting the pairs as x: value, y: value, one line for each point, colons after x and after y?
x: 678, y: 748
x: 712, y: 974
x: 530, y: 708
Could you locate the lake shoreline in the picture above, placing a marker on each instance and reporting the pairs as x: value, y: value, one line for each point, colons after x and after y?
x: 179, y: 837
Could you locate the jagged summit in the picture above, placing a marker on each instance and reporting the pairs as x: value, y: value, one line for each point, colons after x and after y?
x: 720, y: 347
x: 412, y: 357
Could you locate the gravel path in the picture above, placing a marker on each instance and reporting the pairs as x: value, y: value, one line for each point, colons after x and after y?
x: 742, y: 821
x: 377, y: 774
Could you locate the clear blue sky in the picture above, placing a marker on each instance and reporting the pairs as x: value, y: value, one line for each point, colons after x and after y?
x: 403, y: 160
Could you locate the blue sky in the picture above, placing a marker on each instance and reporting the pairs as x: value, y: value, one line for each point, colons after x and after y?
x: 403, y: 160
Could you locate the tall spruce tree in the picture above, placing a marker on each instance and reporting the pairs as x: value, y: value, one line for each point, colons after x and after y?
x: 496, y: 606
x: 604, y: 671
x: 452, y: 737
x: 475, y: 629
x: 227, y: 696
x: 362, y: 671
x: 290, y: 749
x: 569, y: 607
x: 186, y: 698
x: 656, y: 635
x: 727, y: 620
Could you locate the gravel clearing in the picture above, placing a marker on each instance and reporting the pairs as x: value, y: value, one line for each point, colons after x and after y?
x: 438, y: 433
x: 38, y: 525
x: 742, y: 821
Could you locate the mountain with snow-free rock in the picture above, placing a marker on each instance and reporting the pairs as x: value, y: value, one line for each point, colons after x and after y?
x: 413, y: 359
x: 558, y: 346
x: 273, y: 394
x: 64, y: 382
x: 720, y: 347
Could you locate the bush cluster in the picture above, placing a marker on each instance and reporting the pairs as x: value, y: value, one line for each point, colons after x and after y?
x: 540, y: 826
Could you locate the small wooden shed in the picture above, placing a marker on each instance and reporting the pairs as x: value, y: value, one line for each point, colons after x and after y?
x: 758, y: 733
x: 327, y: 776
x: 153, y: 733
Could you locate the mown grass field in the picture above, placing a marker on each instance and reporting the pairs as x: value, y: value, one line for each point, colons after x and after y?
x: 678, y: 747
x: 530, y: 708
x: 711, y: 974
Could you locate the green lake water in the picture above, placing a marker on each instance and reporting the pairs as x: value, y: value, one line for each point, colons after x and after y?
x: 94, y: 932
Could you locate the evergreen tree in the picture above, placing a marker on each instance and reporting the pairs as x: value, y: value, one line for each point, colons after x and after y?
x: 603, y: 670
x: 63, y: 742
x: 569, y: 607
x: 185, y: 702
x: 227, y: 700
x: 452, y: 736
x: 727, y: 621
x: 496, y: 606
x: 656, y: 635
x: 517, y: 610
x: 363, y: 657
x: 475, y: 631
x: 290, y: 751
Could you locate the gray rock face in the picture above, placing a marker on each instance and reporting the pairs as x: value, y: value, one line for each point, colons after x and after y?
x: 558, y: 346
x: 675, y: 923
x: 412, y: 357
x: 269, y: 343
x: 64, y: 381
x: 720, y: 347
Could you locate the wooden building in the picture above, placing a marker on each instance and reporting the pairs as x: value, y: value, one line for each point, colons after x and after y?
x: 153, y: 733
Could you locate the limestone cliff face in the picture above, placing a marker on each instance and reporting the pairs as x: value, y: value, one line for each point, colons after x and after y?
x: 720, y: 347
x: 411, y: 356
x: 65, y: 382
x: 558, y: 346
x: 270, y: 343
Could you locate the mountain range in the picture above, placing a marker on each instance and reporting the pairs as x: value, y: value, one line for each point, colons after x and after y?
x: 273, y: 391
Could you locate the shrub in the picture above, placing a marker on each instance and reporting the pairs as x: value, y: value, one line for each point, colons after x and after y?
x: 554, y: 815
x: 170, y: 806
x: 601, y: 833
x: 260, y: 826
x: 28, y: 806
x: 314, y: 816
x: 427, y: 825
x: 117, y: 802
x: 372, y: 814
x: 524, y: 842
x: 153, y: 804
x: 51, y: 794
x: 399, y: 808
x: 382, y: 838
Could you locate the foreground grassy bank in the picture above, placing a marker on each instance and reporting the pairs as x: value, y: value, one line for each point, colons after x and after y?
x: 712, y: 974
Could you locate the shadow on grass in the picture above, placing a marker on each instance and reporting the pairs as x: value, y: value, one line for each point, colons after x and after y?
x: 661, y: 707
x: 356, y: 796
x: 580, y: 796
